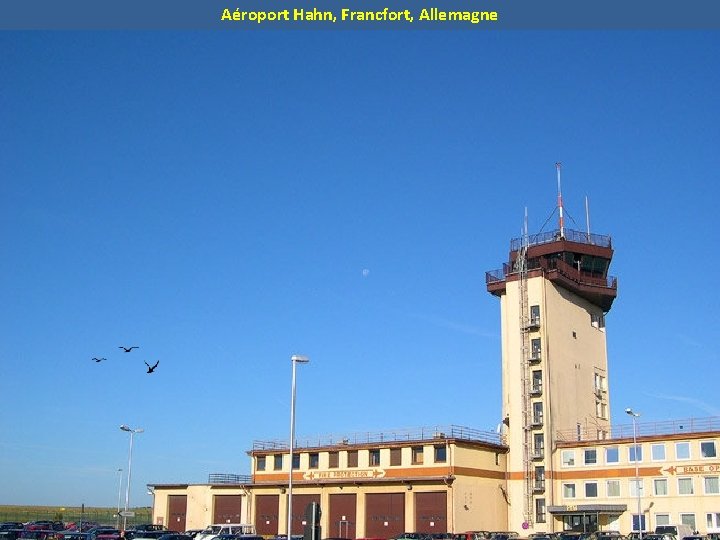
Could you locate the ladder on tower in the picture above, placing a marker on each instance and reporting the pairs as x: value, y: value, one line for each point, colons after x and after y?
x: 527, y: 419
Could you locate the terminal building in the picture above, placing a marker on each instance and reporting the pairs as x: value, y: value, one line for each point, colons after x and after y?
x: 557, y: 464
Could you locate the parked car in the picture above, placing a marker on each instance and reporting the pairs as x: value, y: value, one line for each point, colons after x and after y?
x: 150, y: 535
x: 108, y: 534
x: 226, y: 528
x: 9, y: 525
x: 174, y: 536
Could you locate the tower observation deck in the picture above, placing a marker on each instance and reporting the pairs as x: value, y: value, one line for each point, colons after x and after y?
x: 576, y: 261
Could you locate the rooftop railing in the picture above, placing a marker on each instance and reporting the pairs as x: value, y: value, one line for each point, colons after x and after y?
x: 570, y: 235
x: 216, y: 478
x: 387, y: 436
x: 625, y: 431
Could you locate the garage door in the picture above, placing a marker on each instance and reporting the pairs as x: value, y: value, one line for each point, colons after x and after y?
x: 177, y: 509
x: 431, y: 512
x: 266, y: 514
x: 342, y: 515
x: 384, y: 514
x: 227, y: 508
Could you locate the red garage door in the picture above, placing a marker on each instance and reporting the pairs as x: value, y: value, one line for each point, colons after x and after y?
x: 431, y: 512
x: 177, y: 508
x: 300, y: 503
x: 384, y: 514
x: 266, y: 514
x: 227, y: 508
x: 342, y: 516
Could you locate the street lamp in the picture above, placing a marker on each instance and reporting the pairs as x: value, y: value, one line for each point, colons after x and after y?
x: 634, y: 416
x: 132, y: 433
x: 119, y: 471
x: 296, y: 359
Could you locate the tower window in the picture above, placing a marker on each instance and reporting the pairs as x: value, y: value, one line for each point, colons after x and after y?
x: 417, y: 455
x: 535, y: 315
x: 374, y: 458
x: 314, y: 460
x: 260, y: 463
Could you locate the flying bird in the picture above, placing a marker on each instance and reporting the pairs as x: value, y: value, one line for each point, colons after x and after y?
x: 152, y: 368
x: 127, y: 349
x: 99, y: 359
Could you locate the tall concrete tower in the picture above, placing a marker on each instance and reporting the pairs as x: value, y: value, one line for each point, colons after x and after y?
x: 554, y: 293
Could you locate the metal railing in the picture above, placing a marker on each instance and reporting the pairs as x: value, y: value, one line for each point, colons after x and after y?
x: 578, y: 276
x: 221, y: 478
x: 625, y: 431
x: 386, y: 436
x: 571, y: 235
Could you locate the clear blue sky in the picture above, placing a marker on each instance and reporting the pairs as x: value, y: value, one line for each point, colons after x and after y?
x: 215, y: 198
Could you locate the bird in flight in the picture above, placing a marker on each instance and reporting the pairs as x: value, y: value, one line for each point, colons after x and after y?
x: 152, y: 368
x: 127, y: 349
x: 99, y: 359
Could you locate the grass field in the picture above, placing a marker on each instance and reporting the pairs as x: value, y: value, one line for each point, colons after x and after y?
x: 102, y: 515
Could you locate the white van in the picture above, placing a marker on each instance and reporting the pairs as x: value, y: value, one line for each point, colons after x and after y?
x: 211, y: 531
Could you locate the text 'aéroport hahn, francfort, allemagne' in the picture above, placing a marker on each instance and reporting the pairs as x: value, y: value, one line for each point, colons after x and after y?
x: 345, y: 15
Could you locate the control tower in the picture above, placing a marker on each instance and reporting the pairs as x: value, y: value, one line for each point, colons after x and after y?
x: 554, y: 293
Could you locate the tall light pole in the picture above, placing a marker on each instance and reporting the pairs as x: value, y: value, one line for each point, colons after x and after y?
x: 295, y: 359
x: 119, y: 471
x: 132, y: 433
x: 634, y: 416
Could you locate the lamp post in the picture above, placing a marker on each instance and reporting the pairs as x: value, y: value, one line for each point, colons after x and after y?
x: 295, y: 359
x: 634, y: 416
x: 119, y: 471
x: 132, y: 433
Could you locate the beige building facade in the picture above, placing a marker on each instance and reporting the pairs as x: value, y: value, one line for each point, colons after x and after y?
x: 557, y: 463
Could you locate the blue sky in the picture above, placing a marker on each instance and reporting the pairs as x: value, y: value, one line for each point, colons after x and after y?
x: 225, y: 200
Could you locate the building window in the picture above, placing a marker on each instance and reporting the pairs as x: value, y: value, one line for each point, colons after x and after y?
x: 662, y: 519
x: 682, y: 450
x: 660, y: 486
x: 591, y: 489
x: 440, y: 453
x: 537, y: 413
x: 296, y: 461
x: 537, y: 381
x: 635, y: 453
x: 612, y: 454
x: 417, y: 455
x: 569, y: 491
x: 597, y: 320
x: 712, y: 520
x: 333, y: 460
x: 613, y: 488
x: 277, y: 462
x: 568, y: 458
x: 707, y: 449
x: 352, y: 458
x: 712, y: 487
x: 635, y: 487
x: 374, y: 458
x: 535, y: 315
x: 314, y: 460
x: 539, y: 444
x: 395, y: 457
x: 540, y: 510
x: 657, y: 452
x: 590, y: 456
x: 689, y: 520
x: 685, y: 486
x: 638, y: 522
x: 535, y: 348
x: 260, y: 463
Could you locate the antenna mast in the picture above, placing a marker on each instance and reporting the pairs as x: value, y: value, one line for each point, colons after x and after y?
x: 587, y: 217
x: 560, y: 202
